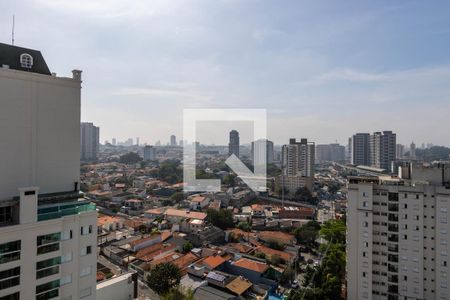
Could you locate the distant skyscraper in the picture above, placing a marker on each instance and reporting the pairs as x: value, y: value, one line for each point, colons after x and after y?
x: 114, y: 141
x: 257, y: 151
x: 180, y: 143
x: 90, y: 135
x: 149, y: 153
x: 330, y: 152
x: 158, y: 143
x: 412, y: 150
x: 173, y: 140
x: 298, y: 158
x: 382, y: 148
x: 360, y: 149
x: 233, y: 145
x: 400, y: 151
x: 137, y: 141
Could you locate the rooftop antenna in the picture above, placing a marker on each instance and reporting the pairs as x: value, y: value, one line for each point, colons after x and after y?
x: 12, y: 34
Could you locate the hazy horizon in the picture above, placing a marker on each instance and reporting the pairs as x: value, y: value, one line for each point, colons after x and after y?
x: 323, y: 70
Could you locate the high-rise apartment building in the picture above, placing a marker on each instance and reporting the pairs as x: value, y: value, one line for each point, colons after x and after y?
x: 400, y: 151
x: 297, y: 165
x: 382, y: 149
x: 262, y: 151
x: 114, y: 142
x: 330, y: 152
x: 298, y: 158
x: 173, y: 140
x: 377, y: 150
x: 233, y: 145
x: 48, y: 232
x: 412, y: 151
x: 360, y: 149
x: 398, y: 239
x: 90, y: 137
x: 149, y: 153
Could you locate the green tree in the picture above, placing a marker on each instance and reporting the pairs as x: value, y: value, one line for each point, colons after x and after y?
x: 187, y: 247
x: 222, y: 218
x: 163, y: 277
x: 130, y: 158
x: 243, y: 226
x: 333, y: 230
x: 308, y: 233
x: 230, y: 180
x: 274, y: 244
x: 178, y: 294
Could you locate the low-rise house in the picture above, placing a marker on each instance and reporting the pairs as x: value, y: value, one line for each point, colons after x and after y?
x: 142, y: 243
x: 296, y: 213
x: 198, y: 202
x: 278, y: 236
x: 176, y: 215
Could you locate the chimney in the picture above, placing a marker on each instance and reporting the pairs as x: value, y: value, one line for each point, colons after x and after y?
x: 76, y: 74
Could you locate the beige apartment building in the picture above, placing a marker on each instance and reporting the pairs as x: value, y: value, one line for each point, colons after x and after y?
x: 398, y: 235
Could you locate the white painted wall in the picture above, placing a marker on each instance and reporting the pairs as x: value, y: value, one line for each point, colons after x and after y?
x: 40, y: 132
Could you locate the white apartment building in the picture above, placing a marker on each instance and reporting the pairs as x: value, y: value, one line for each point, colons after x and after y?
x: 149, y: 153
x: 262, y: 151
x: 47, y: 230
x: 398, y: 241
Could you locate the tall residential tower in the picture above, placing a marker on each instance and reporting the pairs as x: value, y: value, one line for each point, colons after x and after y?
x: 48, y: 232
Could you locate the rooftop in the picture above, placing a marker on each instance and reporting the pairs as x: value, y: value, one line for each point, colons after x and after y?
x: 251, y: 265
x: 239, y: 285
x: 11, y: 56
x: 214, y: 261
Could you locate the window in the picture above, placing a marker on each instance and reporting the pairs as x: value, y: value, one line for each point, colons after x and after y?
x: 5, y: 214
x: 10, y: 251
x: 66, y: 279
x: 86, y: 250
x: 85, y: 271
x: 26, y: 60
x: 47, y: 286
x: 47, y: 267
x: 85, y: 292
x: 15, y: 296
x: 9, y: 278
x: 66, y: 235
x: 48, y: 243
x: 90, y: 228
x: 66, y: 257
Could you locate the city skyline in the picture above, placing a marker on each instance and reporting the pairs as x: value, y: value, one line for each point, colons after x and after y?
x: 345, y: 74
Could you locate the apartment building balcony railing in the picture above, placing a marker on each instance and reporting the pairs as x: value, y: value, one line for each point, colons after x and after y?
x: 393, y: 207
x: 393, y: 278
x: 393, y: 227
x: 58, y: 211
x: 393, y: 238
x: 392, y: 258
x: 393, y: 217
x: 392, y: 268
x: 393, y: 289
x: 393, y: 248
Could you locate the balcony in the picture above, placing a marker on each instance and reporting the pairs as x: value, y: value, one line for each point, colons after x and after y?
x: 393, y: 278
x: 392, y: 258
x: 393, y: 248
x: 393, y: 218
x: 392, y: 268
x: 393, y: 227
x: 58, y: 211
x: 393, y: 238
x: 393, y: 207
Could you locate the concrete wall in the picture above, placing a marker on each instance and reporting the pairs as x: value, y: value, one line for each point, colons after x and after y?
x: 117, y: 288
x: 40, y: 132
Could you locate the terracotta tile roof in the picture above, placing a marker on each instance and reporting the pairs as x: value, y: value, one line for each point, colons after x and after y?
x: 239, y: 285
x: 165, y: 235
x: 242, y: 248
x: 139, y: 241
x: 183, y: 262
x: 251, y: 265
x: 170, y: 257
x: 269, y: 252
x: 280, y: 236
x: 102, y: 220
x: 214, y: 261
x: 198, y: 199
x: 185, y: 214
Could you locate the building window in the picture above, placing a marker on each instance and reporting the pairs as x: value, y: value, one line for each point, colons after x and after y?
x: 85, y: 292
x: 10, y: 251
x: 15, y: 296
x: 66, y: 279
x: 26, y: 60
x: 48, y: 243
x: 66, y: 257
x: 86, y: 250
x: 9, y: 278
x: 85, y: 271
x: 47, y: 267
x: 66, y: 235
x: 5, y: 214
x: 47, y: 290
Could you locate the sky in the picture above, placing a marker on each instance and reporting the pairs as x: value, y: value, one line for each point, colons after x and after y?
x: 323, y: 70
